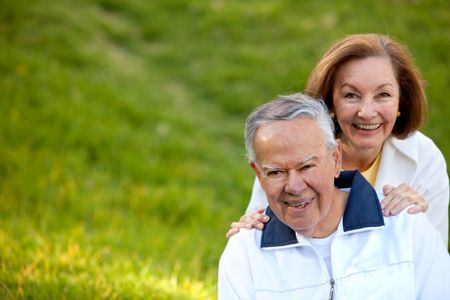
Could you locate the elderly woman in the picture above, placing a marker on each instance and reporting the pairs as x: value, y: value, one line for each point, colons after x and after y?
x: 376, y: 97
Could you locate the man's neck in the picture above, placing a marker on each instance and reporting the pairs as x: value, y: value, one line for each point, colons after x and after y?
x: 330, y: 222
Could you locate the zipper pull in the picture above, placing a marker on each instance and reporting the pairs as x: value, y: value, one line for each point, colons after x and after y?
x: 331, y: 289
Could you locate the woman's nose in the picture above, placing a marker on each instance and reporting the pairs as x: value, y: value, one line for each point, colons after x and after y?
x: 366, y: 109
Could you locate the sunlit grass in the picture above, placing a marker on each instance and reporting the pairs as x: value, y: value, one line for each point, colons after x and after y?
x: 77, y: 271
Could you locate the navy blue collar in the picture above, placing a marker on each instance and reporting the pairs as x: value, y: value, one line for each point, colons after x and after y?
x: 363, y: 210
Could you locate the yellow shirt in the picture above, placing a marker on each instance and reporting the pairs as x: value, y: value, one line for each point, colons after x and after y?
x: 371, y: 173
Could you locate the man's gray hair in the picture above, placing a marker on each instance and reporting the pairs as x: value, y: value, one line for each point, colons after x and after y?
x: 285, y: 108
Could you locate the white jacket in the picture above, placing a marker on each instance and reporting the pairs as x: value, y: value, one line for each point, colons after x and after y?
x: 416, y: 161
x: 372, y: 257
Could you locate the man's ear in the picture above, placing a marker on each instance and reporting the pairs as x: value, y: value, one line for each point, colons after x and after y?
x: 255, y: 168
x: 337, y: 158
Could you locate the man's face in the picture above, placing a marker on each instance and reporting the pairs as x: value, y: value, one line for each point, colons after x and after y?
x: 297, y: 172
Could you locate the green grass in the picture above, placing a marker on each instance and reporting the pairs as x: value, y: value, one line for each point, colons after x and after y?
x: 121, y: 150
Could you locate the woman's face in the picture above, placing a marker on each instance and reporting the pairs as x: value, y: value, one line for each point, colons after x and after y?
x: 366, y: 100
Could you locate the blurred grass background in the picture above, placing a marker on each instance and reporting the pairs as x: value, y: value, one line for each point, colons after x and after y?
x: 121, y: 151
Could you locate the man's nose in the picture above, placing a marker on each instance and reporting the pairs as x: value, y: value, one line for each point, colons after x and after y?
x: 294, y: 183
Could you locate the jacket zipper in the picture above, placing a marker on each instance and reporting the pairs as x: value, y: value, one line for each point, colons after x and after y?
x: 331, y: 289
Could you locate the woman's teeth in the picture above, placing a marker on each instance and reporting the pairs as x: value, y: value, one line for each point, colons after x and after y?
x: 367, y: 126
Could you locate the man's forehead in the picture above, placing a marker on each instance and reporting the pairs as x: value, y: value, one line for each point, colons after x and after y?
x: 287, y: 128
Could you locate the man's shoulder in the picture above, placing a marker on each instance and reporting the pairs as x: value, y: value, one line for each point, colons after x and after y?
x: 412, y: 226
x: 246, y: 240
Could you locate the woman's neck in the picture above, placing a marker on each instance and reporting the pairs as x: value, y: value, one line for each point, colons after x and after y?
x: 358, y: 159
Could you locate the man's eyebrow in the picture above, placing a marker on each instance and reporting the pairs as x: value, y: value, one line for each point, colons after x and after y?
x: 312, y: 157
x: 270, y: 167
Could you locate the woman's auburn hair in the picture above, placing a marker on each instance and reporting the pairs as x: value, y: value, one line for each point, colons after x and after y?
x: 412, y: 102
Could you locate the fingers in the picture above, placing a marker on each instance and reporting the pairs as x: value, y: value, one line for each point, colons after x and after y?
x: 399, y: 198
x: 253, y: 215
x: 253, y: 220
x: 421, y: 206
x: 261, y: 210
x: 396, y: 200
x: 236, y: 226
x: 387, y: 189
x: 240, y: 225
x: 231, y: 232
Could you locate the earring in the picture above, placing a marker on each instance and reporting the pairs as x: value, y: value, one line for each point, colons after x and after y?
x: 399, y: 114
x: 332, y: 115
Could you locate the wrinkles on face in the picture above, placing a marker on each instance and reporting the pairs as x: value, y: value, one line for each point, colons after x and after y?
x: 366, y: 101
x: 297, y: 172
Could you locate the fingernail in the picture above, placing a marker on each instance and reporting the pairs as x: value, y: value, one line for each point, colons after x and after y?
x: 266, y: 218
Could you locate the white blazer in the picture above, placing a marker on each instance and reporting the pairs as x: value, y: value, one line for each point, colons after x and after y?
x: 416, y: 161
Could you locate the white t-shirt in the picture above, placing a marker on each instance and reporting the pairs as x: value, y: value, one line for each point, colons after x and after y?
x: 323, y: 246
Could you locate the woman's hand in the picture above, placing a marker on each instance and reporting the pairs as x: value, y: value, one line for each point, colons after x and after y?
x: 252, y: 220
x: 398, y: 198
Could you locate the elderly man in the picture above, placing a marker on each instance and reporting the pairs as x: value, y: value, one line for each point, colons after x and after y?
x: 327, y: 237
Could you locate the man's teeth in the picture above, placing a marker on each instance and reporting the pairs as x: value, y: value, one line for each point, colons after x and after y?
x: 367, y: 126
x: 300, y: 205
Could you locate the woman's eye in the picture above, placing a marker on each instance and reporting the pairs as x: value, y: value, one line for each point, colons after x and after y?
x: 350, y: 96
x: 385, y: 94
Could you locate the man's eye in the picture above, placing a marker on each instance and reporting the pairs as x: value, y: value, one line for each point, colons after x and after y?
x: 275, y: 173
x: 306, y: 167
